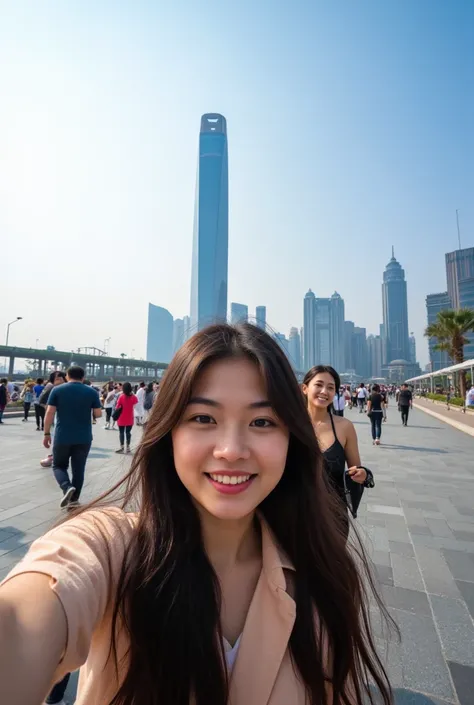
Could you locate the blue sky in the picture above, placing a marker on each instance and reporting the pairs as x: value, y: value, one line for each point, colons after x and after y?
x: 350, y: 129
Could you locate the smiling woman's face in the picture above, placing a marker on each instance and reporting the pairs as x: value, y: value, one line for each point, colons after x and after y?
x: 321, y: 390
x: 230, y: 447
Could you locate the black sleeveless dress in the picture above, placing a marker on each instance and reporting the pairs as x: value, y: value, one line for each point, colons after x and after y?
x: 335, y: 464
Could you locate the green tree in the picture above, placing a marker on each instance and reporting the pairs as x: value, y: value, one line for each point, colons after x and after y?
x: 450, y: 329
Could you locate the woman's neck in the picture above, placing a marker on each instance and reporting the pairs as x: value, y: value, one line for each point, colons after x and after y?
x: 229, y: 542
x: 318, y: 414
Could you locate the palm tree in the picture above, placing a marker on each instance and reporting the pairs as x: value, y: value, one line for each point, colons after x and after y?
x: 450, y: 330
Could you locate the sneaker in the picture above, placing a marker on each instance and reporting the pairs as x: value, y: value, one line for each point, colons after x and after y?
x: 128, y: 450
x: 24, y: 420
x: 67, y: 497
x: 120, y: 450
x: 38, y: 428
x: 377, y: 441
x: 47, y: 462
x: 73, y: 504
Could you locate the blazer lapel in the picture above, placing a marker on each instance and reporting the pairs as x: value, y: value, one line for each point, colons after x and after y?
x: 267, y: 630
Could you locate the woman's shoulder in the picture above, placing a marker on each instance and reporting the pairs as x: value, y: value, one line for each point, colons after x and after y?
x: 343, y: 424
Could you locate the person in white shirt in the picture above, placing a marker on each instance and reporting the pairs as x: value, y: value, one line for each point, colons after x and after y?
x: 470, y: 398
x: 139, y: 408
x: 362, y: 395
x: 339, y: 403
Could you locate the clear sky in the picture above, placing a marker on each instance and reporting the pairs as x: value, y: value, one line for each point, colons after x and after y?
x: 350, y: 124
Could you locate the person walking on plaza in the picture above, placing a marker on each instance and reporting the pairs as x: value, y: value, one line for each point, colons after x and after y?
x: 72, y: 403
x: 126, y: 403
x: 470, y: 398
x: 362, y: 395
x: 109, y: 402
x: 405, y: 403
x: 39, y: 410
x: 118, y: 392
x: 139, y: 408
x: 339, y: 403
x: 27, y: 396
x: 3, y: 396
x: 375, y: 411
x: 148, y: 400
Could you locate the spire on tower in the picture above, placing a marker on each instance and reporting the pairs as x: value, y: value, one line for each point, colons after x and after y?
x: 393, y: 252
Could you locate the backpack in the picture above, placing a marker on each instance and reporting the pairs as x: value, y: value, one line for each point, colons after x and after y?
x: 148, y: 403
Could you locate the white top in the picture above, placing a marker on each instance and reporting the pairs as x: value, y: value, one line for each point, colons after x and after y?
x: 339, y: 402
x: 361, y: 393
x: 231, y: 652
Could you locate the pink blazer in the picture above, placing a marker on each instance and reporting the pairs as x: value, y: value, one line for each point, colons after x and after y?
x: 75, y: 557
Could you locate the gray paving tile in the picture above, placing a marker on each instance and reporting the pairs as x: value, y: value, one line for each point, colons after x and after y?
x: 384, y: 574
x: 439, y: 527
x: 424, y: 667
x: 464, y: 535
x: 408, y: 600
x: 460, y: 564
x: 402, y: 548
x: 463, y: 678
x: 385, y: 509
x: 406, y: 573
x: 456, y: 629
x: 467, y: 591
x: 437, y: 576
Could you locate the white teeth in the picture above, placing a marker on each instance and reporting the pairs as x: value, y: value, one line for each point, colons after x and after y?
x: 230, y: 479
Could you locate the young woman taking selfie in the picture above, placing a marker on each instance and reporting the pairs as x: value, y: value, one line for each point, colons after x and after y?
x: 224, y: 575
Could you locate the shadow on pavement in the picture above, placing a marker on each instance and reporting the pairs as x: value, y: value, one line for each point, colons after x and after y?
x: 418, y: 449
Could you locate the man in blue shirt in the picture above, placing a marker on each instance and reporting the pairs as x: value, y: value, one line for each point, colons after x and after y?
x: 72, y: 403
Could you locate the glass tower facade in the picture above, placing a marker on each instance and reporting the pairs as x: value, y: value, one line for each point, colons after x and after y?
x: 159, y: 346
x: 261, y: 317
x: 459, y: 266
x: 439, y: 359
x: 211, y: 225
x: 309, y: 323
x: 338, y: 357
x: 239, y: 313
x: 395, y: 312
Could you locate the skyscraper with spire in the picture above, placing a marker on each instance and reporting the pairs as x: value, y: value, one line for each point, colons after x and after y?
x: 395, y: 312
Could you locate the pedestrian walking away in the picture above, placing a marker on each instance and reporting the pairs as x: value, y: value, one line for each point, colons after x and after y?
x: 27, y: 396
x: 362, y: 395
x: 55, y: 379
x: 3, y: 396
x: 222, y: 576
x: 375, y: 411
x: 109, y: 403
x: 339, y: 403
x: 73, y: 403
x: 139, y: 408
x: 39, y: 410
x: 405, y: 403
x: 124, y: 411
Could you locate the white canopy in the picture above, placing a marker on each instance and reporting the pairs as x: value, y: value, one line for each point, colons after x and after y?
x: 466, y: 365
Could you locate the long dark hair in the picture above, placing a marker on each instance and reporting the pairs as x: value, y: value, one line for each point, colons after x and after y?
x: 168, y: 598
x: 320, y: 369
x: 127, y: 389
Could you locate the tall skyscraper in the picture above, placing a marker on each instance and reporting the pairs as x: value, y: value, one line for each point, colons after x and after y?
x: 159, y: 346
x: 282, y: 342
x: 336, y: 330
x: 178, y: 334
x: 459, y: 266
x: 348, y: 348
x: 323, y: 337
x: 261, y: 317
x: 294, y: 349
x: 412, y: 342
x: 374, y: 350
x: 186, y: 328
x: 239, y: 313
x: 211, y: 225
x: 395, y: 312
x: 360, y: 353
x: 309, y: 324
x: 439, y: 359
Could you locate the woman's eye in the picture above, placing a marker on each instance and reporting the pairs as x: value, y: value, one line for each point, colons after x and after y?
x: 262, y: 423
x: 203, y: 419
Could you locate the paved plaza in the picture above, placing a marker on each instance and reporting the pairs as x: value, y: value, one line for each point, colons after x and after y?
x: 418, y: 524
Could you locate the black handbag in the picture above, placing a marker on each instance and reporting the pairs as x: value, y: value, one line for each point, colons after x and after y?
x: 354, y: 490
x: 116, y: 413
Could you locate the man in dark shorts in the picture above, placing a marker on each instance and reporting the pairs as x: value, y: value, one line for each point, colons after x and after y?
x: 405, y: 403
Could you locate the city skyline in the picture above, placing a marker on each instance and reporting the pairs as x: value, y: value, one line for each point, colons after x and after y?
x: 99, y: 157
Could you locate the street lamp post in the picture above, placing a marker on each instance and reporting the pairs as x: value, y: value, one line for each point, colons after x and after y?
x: 15, y: 320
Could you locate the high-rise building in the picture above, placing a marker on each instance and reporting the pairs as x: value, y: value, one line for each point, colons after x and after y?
x: 459, y: 266
x: 395, y: 312
x: 186, y: 328
x: 374, y: 351
x: 360, y: 354
x: 178, y: 334
x: 309, y: 325
x: 261, y: 317
x: 412, y: 343
x: 323, y: 336
x: 282, y: 342
x: 348, y: 349
x: 294, y: 348
x: 159, y: 347
x: 466, y: 300
x: 336, y: 330
x: 239, y: 313
x: 439, y: 359
x: 211, y: 225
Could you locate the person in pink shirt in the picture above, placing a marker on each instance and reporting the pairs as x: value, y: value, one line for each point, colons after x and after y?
x: 125, y: 402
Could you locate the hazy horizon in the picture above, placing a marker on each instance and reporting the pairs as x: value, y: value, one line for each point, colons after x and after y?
x: 350, y: 129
